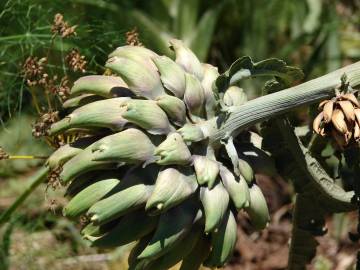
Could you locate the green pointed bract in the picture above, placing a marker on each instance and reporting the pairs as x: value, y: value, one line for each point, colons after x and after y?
x: 223, y: 242
x: 87, y: 197
x: 210, y: 75
x: 180, y: 251
x: 173, y: 226
x: 191, y: 133
x: 197, y: 255
x: 171, y: 74
x: 237, y: 188
x: 142, y: 78
x: 215, y: 203
x: 92, y: 231
x: 80, y: 100
x: 130, y: 228
x: 171, y: 188
x: 82, y: 163
x: 120, y: 203
x: 61, y: 155
x: 246, y: 170
x: 194, y: 97
x: 207, y: 170
x: 147, y: 115
x: 234, y: 96
x: 258, y: 210
x: 130, y: 146
x: 173, y: 151
x: 187, y: 59
x: 102, y: 113
x: 175, y: 109
x: 137, y: 53
x: 86, y: 179
x: 105, y: 86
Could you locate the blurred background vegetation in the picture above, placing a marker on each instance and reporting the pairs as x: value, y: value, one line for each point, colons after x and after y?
x: 315, y: 35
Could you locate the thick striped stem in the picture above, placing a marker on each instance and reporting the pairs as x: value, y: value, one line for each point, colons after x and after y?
x: 265, y: 107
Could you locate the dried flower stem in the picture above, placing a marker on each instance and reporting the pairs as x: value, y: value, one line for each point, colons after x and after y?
x: 27, y: 157
x: 35, y: 100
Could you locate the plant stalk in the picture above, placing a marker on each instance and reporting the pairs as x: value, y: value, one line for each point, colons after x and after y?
x: 36, y: 180
x: 265, y: 107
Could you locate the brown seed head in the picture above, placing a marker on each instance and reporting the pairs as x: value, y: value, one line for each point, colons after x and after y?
x: 61, y: 27
x: 132, y: 38
x: 3, y: 154
x: 42, y: 125
x: 33, y: 70
x: 76, y: 61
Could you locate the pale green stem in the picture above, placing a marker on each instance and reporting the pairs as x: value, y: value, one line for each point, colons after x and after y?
x: 36, y: 180
x: 262, y: 108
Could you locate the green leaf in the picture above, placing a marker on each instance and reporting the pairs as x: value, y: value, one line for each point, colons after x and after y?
x: 156, y: 37
x: 308, y: 222
x: 186, y: 18
x: 244, y: 68
x: 200, y: 39
x: 5, y: 245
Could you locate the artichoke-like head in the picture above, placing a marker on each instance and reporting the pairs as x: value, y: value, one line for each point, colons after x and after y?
x: 145, y: 171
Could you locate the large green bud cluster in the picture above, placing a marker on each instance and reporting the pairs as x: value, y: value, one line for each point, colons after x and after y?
x: 145, y: 171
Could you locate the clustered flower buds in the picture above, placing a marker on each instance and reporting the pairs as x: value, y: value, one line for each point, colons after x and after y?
x: 150, y: 174
x: 340, y: 119
x: 61, y: 27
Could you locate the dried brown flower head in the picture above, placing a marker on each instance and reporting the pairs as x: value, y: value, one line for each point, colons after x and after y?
x: 53, y: 178
x: 132, y: 38
x: 33, y: 69
x: 3, y: 154
x: 339, y: 118
x: 63, y: 90
x: 61, y: 27
x: 41, y: 126
x: 76, y: 61
x: 49, y: 83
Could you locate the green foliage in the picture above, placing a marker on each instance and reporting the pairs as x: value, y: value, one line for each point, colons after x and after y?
x: 315, y: 35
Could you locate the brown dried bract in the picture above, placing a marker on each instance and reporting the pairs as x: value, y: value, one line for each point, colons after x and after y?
x: 42, y: 125
x: 76, y: 61
x: 61, y: 27
x: 132, y: 38
x: 3, y: 154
